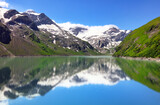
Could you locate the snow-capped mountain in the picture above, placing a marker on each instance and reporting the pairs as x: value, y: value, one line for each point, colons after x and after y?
x: 29, y: 26
x: 102, y: 38
x: 46, y: 24
x: 65, y: 38
x: 77, y: 37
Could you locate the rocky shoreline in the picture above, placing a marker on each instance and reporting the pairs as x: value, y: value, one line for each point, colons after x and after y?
x: 142, y: 58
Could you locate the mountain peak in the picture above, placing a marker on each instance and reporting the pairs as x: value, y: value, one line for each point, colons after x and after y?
x: 31, y: 11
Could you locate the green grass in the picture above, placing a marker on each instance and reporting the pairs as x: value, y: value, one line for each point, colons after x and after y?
x: 20, y: 47
x: 3, y: 52
x: 142, y: 42
x: 145, y: 72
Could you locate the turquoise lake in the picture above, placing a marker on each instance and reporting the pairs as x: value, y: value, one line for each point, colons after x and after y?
x: 78, y: 80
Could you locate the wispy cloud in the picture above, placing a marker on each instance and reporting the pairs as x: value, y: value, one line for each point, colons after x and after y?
x: 3, y: 3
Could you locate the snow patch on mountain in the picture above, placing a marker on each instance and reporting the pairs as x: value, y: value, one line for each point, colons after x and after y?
x: 50, y: 28
x: 31, y: 11
x: 87, y: 31
x: 2, y: 11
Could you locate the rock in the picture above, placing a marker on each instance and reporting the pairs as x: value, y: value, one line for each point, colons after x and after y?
x: 39, y: 19
x: 4, y: 34
x: 10, y: 13
x: 77, y: 30
x: 27, y: 21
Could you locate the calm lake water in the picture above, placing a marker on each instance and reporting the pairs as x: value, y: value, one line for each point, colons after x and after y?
x: 78, y: 81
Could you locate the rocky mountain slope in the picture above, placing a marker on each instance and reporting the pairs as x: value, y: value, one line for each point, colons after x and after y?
x: 142, y: 42
x: 104, y: 38
x: 25, y: 35
x: 60, y: 36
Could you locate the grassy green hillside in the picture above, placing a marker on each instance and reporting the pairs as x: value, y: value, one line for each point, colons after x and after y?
x: 142, y: 42
x: 145, y: 72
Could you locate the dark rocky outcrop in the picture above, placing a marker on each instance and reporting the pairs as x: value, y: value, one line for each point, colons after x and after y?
x: 77, y: 30
x: 10, y: 13
x: 44, y: 19
x: 27, y: 21
x: 4, y: 34
x: 39, y: 19
x: 11, y: 23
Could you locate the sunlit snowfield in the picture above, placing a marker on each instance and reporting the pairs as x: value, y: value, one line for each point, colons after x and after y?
x: 84, y: 80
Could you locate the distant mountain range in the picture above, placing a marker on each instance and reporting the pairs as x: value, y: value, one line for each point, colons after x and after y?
x: 103, y: 38
x: 31, y: 33
x: 142, y: 42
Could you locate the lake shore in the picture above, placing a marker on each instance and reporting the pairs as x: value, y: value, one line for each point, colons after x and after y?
x: 142, y: 58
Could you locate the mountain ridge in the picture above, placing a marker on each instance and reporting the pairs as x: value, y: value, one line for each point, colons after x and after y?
x: 103, y: 38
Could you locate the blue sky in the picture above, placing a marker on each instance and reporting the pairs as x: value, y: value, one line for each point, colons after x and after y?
x: 126, y: 14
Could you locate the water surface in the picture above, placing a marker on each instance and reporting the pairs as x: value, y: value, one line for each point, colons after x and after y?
x: 81, y: 80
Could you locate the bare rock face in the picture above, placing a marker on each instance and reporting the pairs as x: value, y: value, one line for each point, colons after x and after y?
x: 4, y: 34
x: 10, y: 13
x: 44, y: 19
x: 39, y: 19
x: 26, y: 20
x: 77, y: 30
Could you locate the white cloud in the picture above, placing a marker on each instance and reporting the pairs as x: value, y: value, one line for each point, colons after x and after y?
x: 4, y: 103
x: 3, y: 3
x: 91, y: 30
x: 68, y: 25
x: 31, y: 11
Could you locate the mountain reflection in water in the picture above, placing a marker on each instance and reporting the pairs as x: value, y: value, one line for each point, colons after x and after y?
x: 35, y: 76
